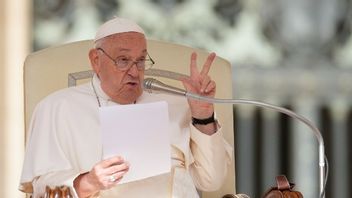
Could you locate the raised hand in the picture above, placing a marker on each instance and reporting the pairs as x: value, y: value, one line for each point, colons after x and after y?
x: 200, y: 83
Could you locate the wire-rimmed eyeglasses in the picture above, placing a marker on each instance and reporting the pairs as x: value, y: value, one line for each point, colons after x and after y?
x: 124, y: 64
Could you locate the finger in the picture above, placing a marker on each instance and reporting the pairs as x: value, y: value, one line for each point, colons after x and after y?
x: 211, y: 87
x: 204, y: 84
x: 207, y: 64
x: 111, y: 161
x: 118, y: 168
x: 193, y: 68
x: 117, y: 181
x: 117, y: 177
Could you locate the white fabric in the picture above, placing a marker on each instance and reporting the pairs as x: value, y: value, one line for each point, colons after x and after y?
x: 115, y: 26
x: 65, y: 141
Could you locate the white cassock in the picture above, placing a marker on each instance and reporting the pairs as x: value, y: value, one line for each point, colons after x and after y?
x: 65, y: 141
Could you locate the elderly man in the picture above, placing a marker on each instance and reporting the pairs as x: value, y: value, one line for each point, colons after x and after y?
x: 65, y: 146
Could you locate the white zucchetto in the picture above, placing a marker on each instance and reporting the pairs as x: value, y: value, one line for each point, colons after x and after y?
x: 115, y: 26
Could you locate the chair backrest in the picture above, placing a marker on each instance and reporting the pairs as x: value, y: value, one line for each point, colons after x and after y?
x: 57, y: 67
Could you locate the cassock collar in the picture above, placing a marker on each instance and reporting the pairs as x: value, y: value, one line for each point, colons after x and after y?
x: 101, y: 94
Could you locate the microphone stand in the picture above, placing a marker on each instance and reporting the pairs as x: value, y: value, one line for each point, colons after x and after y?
x: 322, y: 176
x: 151, y: 84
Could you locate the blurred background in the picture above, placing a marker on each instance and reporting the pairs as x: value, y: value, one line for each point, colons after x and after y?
x: 297, y: 54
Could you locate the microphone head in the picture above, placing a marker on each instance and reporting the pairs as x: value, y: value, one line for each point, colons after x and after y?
x: 152, y: 85
x: 148, y: 84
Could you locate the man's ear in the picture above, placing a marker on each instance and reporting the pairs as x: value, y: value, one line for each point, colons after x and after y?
x: 94, y: 60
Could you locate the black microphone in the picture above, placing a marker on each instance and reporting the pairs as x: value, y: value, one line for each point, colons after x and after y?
x: 152, y: 85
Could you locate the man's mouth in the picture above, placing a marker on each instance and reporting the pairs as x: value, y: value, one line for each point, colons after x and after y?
x: 132, y: 83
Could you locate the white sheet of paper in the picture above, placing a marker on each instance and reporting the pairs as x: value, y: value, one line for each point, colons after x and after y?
x: 139, y: 133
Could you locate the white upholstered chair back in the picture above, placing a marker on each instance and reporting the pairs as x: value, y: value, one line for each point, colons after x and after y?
x: 58, y: 67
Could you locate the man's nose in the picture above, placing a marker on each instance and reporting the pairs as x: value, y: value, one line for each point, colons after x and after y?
x: 133, y: 70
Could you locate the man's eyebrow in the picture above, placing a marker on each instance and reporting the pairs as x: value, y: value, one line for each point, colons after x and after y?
x: 125, y: 49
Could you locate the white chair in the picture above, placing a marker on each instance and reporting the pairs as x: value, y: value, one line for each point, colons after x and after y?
x: 66, y: 65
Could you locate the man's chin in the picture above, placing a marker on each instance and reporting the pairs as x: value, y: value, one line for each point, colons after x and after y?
x: 132, y: 98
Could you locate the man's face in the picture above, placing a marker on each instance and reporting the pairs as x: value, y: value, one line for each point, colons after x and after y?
x: 123, y: 87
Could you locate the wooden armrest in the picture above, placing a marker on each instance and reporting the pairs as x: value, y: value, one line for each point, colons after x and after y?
x: 57, y: 192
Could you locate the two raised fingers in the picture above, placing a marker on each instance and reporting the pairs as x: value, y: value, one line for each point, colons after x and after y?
x: 206, y: 67
x: 202, y: 78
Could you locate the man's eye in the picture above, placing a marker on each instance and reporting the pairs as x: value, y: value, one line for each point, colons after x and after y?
x: 124, y: 59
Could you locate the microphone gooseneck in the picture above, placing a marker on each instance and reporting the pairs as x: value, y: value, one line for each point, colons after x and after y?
x: 152, y: 85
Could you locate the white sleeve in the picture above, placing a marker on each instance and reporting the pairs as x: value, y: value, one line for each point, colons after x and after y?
x: 212, y: 156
